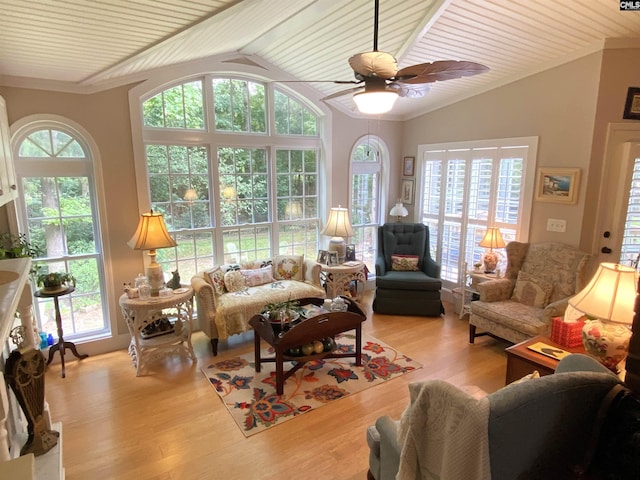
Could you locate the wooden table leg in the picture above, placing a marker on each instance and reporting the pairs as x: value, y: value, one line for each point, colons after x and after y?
x: 358, y: 346
x: 256, y: 350
x: 279, y: 371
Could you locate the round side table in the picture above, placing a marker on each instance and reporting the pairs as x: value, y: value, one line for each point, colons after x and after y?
x: 62, y: 344
x: 338, y: 279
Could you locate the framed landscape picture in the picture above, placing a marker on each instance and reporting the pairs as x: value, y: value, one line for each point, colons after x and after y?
x: 406, y: 192
x: 558, y: 185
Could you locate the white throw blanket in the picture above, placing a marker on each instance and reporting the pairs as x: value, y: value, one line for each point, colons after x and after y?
x: 444, y: 434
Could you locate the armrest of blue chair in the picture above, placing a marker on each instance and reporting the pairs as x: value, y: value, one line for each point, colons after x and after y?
x: 381, y: 267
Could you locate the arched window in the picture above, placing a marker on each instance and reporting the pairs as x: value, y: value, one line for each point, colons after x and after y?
x: 248, y: 153
x: 57, y: 210
x: 366, y: 178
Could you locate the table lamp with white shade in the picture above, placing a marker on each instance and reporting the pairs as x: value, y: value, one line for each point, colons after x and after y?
x: 492, y: 239
x: 338, y: 226
x: 150, y: 235
x: 399, y: 211
x: 608, y: 302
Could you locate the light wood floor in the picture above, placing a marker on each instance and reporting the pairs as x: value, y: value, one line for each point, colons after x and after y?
x: 172, y: 425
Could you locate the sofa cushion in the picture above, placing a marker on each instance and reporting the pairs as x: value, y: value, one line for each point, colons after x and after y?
x: 234, y: 281
x: 510, y: 315
x: 289, y: 267
x: 258, y: 276
x: 215, y: 277
x: 531, y: 291
x: 404, y: 263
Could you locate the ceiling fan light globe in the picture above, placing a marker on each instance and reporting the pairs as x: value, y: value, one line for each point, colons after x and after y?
x: 375, y: 102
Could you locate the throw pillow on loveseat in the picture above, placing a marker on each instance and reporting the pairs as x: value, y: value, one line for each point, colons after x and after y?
x: 227, y: 296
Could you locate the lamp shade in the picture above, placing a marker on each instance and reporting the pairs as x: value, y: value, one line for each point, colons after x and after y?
x: 191, y: 195
x: 338, y: 224
x: 399, y: 210
x: 151, y: 233
x: 492, y: 239
x: 610, y: 295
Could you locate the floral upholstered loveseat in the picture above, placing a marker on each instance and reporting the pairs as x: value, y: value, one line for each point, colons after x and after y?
x: 227, y: 296
x: 540, y: 279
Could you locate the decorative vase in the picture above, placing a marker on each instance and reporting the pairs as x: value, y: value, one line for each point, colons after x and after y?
x: 608, y: 342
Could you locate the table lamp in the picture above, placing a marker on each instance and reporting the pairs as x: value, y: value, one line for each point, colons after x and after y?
x: 399, y: 211
x: 608, y: 302
x: 338, y: 226
x: 150, y: 235
x: 492, y: 239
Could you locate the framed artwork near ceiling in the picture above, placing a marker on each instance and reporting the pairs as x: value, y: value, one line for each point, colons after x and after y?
x: 632, y: 105
x: 408, y: 166
x: 406, y: 192
x: 557, y: 185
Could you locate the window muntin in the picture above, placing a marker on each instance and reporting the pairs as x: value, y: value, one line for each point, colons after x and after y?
x: 292, y: 118
x: 466, y: 190
x: 59, y: 214
x: 240, y: 105
x: 256, y: 195
x: 176, y: 107
x: 365, y: 198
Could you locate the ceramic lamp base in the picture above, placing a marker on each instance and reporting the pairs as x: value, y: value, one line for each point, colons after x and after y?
x: 490, y: 262
x: 607, y: 342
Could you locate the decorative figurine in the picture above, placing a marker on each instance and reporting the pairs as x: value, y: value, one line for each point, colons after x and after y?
x: 175, y: 280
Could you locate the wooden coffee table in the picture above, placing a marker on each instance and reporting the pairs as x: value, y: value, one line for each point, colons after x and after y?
x: 522, y: 361
x: 314, y: 328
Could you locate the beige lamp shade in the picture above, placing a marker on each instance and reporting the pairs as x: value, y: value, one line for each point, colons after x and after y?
x: 150, y: 235
x: 191, y: 195
x: 338, y: 226
x: 492, y: 239
x: 610, y: 295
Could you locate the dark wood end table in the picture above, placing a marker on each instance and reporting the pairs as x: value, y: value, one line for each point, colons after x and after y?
x: 62, y: 344
x: 314, y: 328
x: 522, y: 361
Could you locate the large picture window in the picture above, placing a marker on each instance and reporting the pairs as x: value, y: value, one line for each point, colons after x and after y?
x: 467, y: 187
x: 256, y: 185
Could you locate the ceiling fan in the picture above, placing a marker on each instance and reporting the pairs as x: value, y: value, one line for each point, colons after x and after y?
x: 380, y: 82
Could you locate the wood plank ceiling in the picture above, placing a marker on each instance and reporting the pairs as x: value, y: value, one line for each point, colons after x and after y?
x: 90, y: 45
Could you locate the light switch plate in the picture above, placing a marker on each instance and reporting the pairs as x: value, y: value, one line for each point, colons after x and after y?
x: 556, y: 225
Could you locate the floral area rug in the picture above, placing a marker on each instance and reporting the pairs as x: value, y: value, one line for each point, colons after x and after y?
x: 251, y: 397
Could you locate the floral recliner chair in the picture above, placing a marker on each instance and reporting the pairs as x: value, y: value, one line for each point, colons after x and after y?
x: 537, y: 285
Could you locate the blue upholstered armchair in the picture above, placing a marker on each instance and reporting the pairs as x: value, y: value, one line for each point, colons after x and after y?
x: 407, y: 278
x: 534, y: 429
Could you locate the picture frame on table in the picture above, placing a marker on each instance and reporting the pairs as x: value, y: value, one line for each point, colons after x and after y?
x: 632, y: 105
x: 406, y: 191
x: 333, y: 258
x: 350, y: 255
x: 557, y: 185
x: 408, y: 166
x: 323, y: 257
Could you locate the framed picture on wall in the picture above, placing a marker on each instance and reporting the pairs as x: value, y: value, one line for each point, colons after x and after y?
x: 558, y: 185
x: 408, y: 166
x: 406, y: 192
x: 632, y: 105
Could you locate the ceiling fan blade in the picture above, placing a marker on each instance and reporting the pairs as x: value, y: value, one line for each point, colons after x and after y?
x: 341, y: 93
x: 339, y: 82
x: 378, y: 64
x: 409, y: 90
x: 439, y: 71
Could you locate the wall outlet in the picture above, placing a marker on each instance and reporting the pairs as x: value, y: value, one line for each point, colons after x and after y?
x: 556, y: 225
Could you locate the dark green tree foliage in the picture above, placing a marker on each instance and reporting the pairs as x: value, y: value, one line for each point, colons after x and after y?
x: 176, y: 107
x: 239, y: 106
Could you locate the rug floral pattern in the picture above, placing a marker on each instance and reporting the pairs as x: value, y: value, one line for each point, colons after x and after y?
x: 251, y: 397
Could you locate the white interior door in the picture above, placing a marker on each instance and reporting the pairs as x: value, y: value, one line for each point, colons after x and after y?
x: 618, y: 238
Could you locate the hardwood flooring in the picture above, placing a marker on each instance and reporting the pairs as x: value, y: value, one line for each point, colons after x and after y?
x: 170, y: 425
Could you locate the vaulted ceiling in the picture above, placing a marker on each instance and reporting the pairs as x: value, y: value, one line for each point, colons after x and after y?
x: 91, y: 45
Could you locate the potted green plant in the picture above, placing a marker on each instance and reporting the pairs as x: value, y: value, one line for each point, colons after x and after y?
x: 290, y: 307
x: 17, y: 246
x: 55, y: 281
